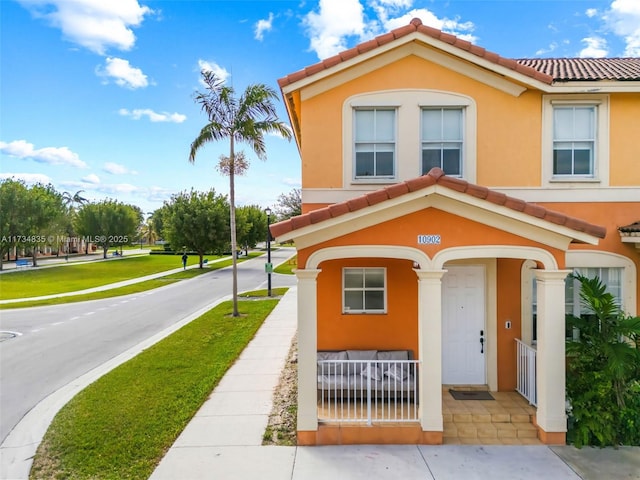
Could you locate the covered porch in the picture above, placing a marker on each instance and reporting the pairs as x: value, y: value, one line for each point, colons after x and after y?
x: 508, y: 419
x: 419, y: 242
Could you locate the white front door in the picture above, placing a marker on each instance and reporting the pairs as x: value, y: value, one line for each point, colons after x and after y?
x: 463, y: 325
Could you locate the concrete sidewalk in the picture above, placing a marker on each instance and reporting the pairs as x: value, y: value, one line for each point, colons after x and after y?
x: 224, y: 439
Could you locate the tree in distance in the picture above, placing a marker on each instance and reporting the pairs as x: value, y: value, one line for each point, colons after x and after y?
x: 289, y: 205
x: 108, y: 223
x: 196, y: 222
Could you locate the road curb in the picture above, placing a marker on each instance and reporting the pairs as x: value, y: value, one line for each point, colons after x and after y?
x: 19, y: 448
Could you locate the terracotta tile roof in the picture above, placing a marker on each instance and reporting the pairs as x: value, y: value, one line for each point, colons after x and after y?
x: 435, y: 176
x: 567, y: 69
x: 633, y: 228
x: 415, y: 26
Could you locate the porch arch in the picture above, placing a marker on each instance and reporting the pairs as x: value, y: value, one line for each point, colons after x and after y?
x: 362, y: 251
x: 495, y: 251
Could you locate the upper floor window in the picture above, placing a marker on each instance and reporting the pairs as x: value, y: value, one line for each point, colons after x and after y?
x: 442, y: 140
x: 375, y: 143
x: 574, y: 140
x: 364, y: 290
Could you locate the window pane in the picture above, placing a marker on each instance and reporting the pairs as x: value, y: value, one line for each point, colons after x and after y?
x: 562, y: 162
x: 374, y: 278
x: 583, y: 123
x: 582, y: 160
x: 353, y: 300
x: 384, y: 164
x: 385, y: 125
x: 563, y: 124
x: 364, y: 125
x: 430, y: 159
x: 452, y: 125
x: 364, y: 164
x: 353, y: 278
x: 374, y: 300
x: 451, y: 161
x: 431, y: 125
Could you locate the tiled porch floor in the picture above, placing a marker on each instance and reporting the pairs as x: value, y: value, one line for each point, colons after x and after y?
x: 506, y: 420
x: 503, y: 421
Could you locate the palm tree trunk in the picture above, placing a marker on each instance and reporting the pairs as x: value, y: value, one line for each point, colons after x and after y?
x: 232, y: 222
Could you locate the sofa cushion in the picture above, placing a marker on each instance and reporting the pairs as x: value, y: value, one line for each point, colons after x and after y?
x: 332, y: 368
x: 361, y: 356
x: 394, y: 355
x: 371, y: 371
x: 397, y: 371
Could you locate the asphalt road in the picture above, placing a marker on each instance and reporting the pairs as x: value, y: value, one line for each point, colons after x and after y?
x: 58, y: 344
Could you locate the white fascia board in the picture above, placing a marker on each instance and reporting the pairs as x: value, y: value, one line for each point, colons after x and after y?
x: 596, y: 86
x: 314, y: 84
x: 554, y: 233
x: 448, y: 200
x: 572, y: 193
x: 360, y: 219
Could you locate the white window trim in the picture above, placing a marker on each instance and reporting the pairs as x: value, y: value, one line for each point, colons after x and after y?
x: 579, y: 259
x: 408, y: 154
x: 347, y: 311
x: 377, y: 178
x: 601, y: 151
x: 463, y: 140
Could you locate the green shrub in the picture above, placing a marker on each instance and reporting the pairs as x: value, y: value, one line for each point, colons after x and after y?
x: 603, y: 371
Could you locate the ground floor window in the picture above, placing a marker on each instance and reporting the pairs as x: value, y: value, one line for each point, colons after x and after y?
x: 609, y: 276
x: 364, y: 290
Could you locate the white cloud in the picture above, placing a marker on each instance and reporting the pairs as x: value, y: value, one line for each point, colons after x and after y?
x: 337, y: 21
x: 91, y: 178
x: 117, y: 169
x: 123, y: 73
x: 263, y: 26
x: 624, y: 19
x: 330, y: 27
x: 454, y: 26
x: 158, y: 194
x: 49, y: 155
x: 544, y: 51
x: 219, y: 71
x: 292, y: 182
x: 29, y: 178
x: 591, y: 12
x: 103, y: 188
x: 138, y: 113
x: 596, y: 47
x: 94, y: 24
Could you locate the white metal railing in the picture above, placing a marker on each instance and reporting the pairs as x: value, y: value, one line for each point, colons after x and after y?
x: 368, y: 390
x: 526, y: 357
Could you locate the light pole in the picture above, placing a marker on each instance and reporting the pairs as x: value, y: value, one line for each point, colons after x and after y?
x: 268, y: 267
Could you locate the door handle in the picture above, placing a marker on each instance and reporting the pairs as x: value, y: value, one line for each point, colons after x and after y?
x: 481, y: 341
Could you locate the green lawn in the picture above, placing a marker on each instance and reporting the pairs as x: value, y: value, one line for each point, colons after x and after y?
x: 135, y: 288
x: 288, y: 266
x: 69, y: 278
x: 121, y: 425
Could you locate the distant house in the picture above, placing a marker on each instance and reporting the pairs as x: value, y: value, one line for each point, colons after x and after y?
x: 447, y: 194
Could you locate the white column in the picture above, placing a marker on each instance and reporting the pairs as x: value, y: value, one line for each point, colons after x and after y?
x: 430, y: 348
x: 307, y: 349
x: 550, y: 358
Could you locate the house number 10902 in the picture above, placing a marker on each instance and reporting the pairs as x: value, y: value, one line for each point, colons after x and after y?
x: 428, y: 239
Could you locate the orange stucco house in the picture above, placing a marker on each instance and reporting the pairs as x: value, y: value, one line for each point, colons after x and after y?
x: 447, y: 194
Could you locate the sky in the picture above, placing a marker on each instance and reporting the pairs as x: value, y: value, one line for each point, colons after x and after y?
x: 97, y: 95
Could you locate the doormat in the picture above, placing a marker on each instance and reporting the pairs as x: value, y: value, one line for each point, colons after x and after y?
x: 470, y: 394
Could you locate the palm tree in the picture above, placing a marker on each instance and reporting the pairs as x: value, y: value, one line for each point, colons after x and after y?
x: 70, y: 202
x: 241, y: 120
